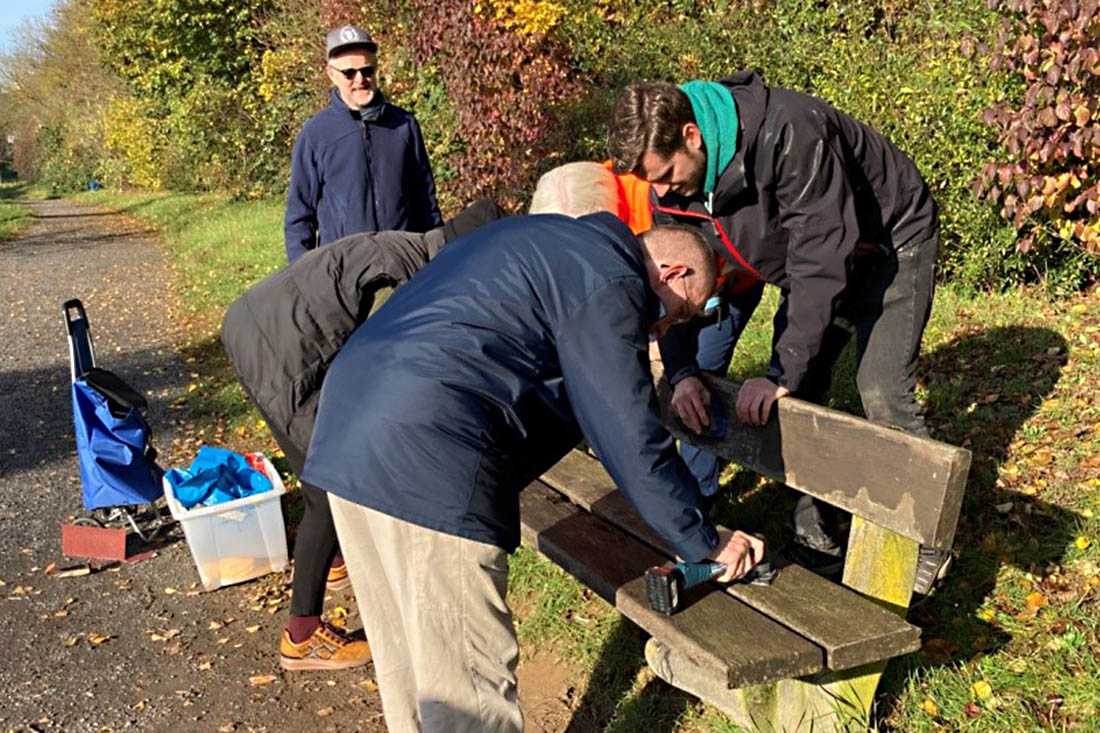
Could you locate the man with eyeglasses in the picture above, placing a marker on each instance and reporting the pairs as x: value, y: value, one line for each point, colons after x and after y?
x: 359, y: 165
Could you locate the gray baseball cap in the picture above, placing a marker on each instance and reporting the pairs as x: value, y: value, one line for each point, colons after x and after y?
x: 347, y: 36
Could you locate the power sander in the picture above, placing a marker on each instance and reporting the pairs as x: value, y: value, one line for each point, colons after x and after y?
x: 665, y: 584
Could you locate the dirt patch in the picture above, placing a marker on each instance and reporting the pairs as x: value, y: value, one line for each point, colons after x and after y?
x: 548, y: 692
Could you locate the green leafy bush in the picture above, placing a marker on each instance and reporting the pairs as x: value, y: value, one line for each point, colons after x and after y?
x: 505, y: 89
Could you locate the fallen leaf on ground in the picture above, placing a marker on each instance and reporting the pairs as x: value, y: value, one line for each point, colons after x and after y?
x: 97, y: 639
x: 325, y: 712
x: 929, y: 706
x: 982, y: 689
x: 368, y: 685
x: 252, y: 629
x: 139, y: 705
x: 1082, y: 543
x: 169, y: 591
x: 215, y: 625
x: 71, y: 641
x: 262, y: 679
x: 75, y: 572
x: 972, y: 710
x: 338, y: 617
x: 49, y: 569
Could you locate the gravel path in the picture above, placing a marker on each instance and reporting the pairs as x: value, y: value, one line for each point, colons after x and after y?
x: 173, y: 658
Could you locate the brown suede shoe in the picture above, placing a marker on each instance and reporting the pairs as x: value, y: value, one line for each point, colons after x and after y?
x: 327, y: 648
x: 337, y: 578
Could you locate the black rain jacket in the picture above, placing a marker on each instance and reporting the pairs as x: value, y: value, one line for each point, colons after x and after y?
x: 806, y: 186
x: 283, y: 333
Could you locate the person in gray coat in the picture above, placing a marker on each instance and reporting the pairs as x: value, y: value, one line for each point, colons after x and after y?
x: 281, y: 336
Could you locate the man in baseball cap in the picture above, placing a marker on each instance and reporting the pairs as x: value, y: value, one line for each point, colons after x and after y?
x: 358, y: 166
x: 348, y: 36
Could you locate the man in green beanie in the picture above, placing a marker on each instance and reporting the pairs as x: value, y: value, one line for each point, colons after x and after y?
x: 790, y: 191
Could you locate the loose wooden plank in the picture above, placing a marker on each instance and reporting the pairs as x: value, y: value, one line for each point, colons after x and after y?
x: 587, y: 548
x: 851, y: 629
x: 755, y: 648
x: 902, y: 482
x: 720, y: 635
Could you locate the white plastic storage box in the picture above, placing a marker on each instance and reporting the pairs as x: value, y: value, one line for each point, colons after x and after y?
x: 238, y: 540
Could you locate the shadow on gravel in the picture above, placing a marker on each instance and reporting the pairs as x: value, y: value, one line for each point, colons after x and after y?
x: 36, y: 410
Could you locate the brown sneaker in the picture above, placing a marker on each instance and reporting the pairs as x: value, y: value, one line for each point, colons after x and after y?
x: 327, y: 648
x: 337, y: 578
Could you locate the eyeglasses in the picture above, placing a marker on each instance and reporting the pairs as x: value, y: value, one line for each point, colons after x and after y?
x: 349, y: 74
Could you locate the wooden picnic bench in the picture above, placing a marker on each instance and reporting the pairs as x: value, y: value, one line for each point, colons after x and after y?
x: 804, y: 653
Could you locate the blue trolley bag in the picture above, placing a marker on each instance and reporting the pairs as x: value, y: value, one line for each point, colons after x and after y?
x: 117, y: 461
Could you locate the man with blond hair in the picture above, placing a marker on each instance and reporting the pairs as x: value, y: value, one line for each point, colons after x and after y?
x: 516, y: 342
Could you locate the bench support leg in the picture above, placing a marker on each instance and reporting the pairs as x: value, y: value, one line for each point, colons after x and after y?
x: 881, y: 565
x: 771, y: 707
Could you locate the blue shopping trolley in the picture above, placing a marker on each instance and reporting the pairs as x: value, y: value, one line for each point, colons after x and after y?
x: 120, y: 479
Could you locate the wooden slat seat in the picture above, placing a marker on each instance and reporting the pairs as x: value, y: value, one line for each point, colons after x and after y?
x: 720, y: 635
x: 851, y: 629
x: 804, y: 653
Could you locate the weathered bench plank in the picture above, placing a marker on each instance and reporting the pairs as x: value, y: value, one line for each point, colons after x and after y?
x: 851, y: 629
x: 781, y: 706
x: 917, y: 482
x: 722, y: 638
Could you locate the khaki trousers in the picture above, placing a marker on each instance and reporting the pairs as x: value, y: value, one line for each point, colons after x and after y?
x: 441, y: 634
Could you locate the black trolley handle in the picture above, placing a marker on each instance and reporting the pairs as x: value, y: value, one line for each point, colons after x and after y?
x: 80, y: 337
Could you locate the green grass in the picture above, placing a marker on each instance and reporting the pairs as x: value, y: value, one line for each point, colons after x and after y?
x: 14, y: 218
x: 1013, y: 376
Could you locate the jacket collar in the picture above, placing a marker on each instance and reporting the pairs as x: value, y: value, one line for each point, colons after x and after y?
x: 371, y: 113
x: 751, y: 96
x: 630, y: 244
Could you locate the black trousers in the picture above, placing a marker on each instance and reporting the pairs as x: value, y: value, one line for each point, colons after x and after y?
x: 886, y: 313
x: 315, y: 545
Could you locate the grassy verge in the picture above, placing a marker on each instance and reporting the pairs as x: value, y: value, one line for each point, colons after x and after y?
x: 1010, y: 643
x: 13, y: 217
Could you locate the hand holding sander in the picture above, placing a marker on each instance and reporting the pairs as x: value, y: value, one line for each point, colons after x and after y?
x: 665, y: 584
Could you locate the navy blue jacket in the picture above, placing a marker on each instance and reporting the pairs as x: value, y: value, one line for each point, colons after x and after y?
x: 348, y: 176
x: 487, y: 367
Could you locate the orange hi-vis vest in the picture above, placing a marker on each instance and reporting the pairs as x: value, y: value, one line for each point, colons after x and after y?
x: 636, y: 210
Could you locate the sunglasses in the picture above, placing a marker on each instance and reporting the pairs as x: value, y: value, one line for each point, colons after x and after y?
x: 349, y: 74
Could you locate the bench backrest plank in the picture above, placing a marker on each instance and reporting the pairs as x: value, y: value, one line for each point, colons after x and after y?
x: 851, y: 629
x: 721, y: 635
x: 905, y: 483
